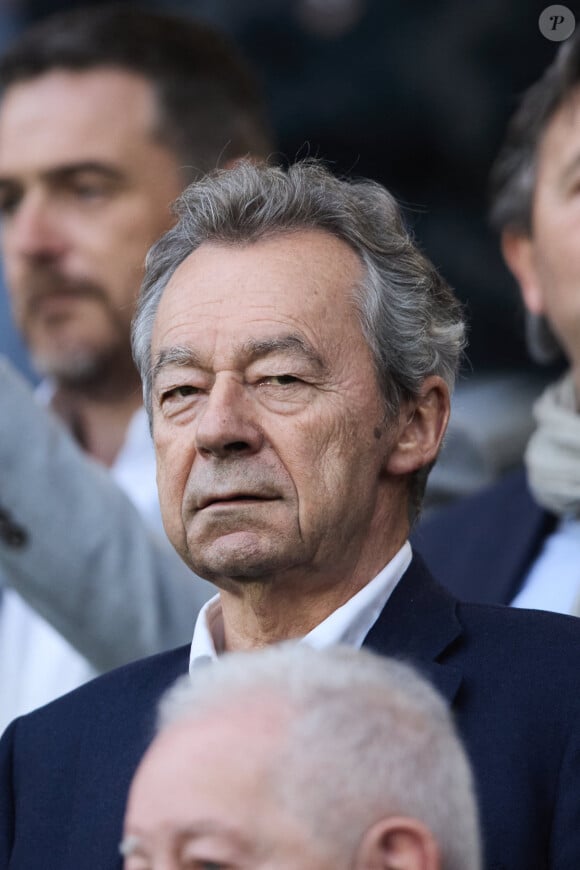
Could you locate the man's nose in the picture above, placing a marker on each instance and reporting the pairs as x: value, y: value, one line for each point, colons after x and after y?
x: 228, y: 424
x: 34, y: 231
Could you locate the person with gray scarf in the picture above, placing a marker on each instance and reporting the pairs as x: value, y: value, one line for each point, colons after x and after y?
x: 518, y: 542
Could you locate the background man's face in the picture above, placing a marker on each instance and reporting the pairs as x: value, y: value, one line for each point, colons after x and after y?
x: 269, y: 440
x: 84, y: 191
x: 207, y: 794
x: 554, y: 280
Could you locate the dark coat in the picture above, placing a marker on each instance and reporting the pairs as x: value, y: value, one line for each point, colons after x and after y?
x: 511, y: 676
x: 482, y: 547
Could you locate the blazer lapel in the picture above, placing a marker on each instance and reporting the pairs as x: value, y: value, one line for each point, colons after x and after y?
x: 418, y: 623
x: 523, y: 527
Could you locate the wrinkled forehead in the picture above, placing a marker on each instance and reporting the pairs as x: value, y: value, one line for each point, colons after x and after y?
x: 293, y: 281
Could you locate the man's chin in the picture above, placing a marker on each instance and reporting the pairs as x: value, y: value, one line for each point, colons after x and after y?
x: 240, y: 555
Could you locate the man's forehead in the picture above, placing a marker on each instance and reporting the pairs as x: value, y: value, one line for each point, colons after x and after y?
x: 97, y: 79
x: 281, y: 266
x: 56, y: 110
x: 290, y: 284
x: 261, y: 717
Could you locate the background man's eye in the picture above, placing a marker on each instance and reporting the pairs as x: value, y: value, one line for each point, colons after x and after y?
x: 88, y: 192
x: 8, y: 204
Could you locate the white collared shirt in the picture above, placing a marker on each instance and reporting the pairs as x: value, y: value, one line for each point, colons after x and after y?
x: 348, y: 624
x: 553, y: 582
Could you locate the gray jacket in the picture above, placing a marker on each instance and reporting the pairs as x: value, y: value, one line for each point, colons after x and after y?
x: 76, y: 549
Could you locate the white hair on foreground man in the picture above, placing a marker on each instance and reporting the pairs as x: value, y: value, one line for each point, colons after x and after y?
x: 290, y: 757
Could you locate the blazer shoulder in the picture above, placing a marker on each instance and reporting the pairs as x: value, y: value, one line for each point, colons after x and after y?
x: 132, y: 686
x: 481, y: 547
x: 524, y: 641
x: 66, y: 768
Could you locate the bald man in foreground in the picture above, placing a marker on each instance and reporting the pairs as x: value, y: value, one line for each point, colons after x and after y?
x: 258, y: 764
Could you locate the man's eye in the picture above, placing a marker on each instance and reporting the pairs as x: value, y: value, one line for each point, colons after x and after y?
x: 280, y: 380
x: 200, y: 864
x: 9, y: 201
x: 89, y: 191
x: 177, y: 393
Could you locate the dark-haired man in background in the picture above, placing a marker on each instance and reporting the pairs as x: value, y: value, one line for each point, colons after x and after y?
x: 265, y: 750
x: 519, y: 541
x: 106, y: 114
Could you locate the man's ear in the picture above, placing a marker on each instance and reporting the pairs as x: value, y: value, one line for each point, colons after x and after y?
x: 518, y: 253
x: 422, y: 425
x: 398, y: 843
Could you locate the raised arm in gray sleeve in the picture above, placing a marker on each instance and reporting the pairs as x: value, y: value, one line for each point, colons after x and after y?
x: 77, y: 550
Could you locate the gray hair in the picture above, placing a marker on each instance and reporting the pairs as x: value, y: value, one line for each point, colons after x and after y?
x: 513, y: 175
x: 378, y: 737
x: 408, y: 314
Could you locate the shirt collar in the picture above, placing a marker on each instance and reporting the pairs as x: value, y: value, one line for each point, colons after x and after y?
x: 348, y: 624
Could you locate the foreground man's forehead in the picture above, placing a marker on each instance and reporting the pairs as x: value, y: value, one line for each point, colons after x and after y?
x: 314, y: 254
x: 288, y: 278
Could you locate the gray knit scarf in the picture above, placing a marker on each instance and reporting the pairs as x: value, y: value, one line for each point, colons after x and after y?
x: 553, y: 452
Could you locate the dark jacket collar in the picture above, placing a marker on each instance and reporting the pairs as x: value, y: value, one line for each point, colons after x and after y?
x: 482, y: 547
x: 418, y: 624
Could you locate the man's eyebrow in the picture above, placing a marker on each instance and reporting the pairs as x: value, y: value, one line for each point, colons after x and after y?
x: 255, y: 348
x: 209, y: 827
x: 176, y: 356
x: 252, y: 349
x: 66, y: 171
x: 132, y: 843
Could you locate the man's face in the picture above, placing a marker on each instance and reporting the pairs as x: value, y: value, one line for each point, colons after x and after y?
x: 269, y: 423
x: 84, y: 191
x: 205, y: 798
x: 549, y: 261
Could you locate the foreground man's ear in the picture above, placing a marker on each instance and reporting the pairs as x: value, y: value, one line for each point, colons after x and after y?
x: 518, y: 253
x: 422, y: 425
x: 398, y: 843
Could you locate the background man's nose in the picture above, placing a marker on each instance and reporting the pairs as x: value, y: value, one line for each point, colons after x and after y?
x: 34, y: 231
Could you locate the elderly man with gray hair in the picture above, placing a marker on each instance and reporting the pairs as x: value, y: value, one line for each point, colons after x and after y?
x: 297, y: 352
x: 298, y: 758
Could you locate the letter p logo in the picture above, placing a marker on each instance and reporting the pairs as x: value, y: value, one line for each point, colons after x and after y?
x: 557, y: 23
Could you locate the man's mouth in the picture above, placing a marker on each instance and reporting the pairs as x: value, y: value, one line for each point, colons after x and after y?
x: 55, y: 298
x: 227, y: 499
x: 48, y: 288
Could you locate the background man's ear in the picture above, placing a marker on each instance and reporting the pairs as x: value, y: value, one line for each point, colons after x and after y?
x: 518, y: 253
x: 422, y: 425
x: 398, y: 843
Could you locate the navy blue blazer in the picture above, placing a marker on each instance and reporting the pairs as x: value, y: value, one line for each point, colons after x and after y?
x: 512, y: 677
x: 482, y: 547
